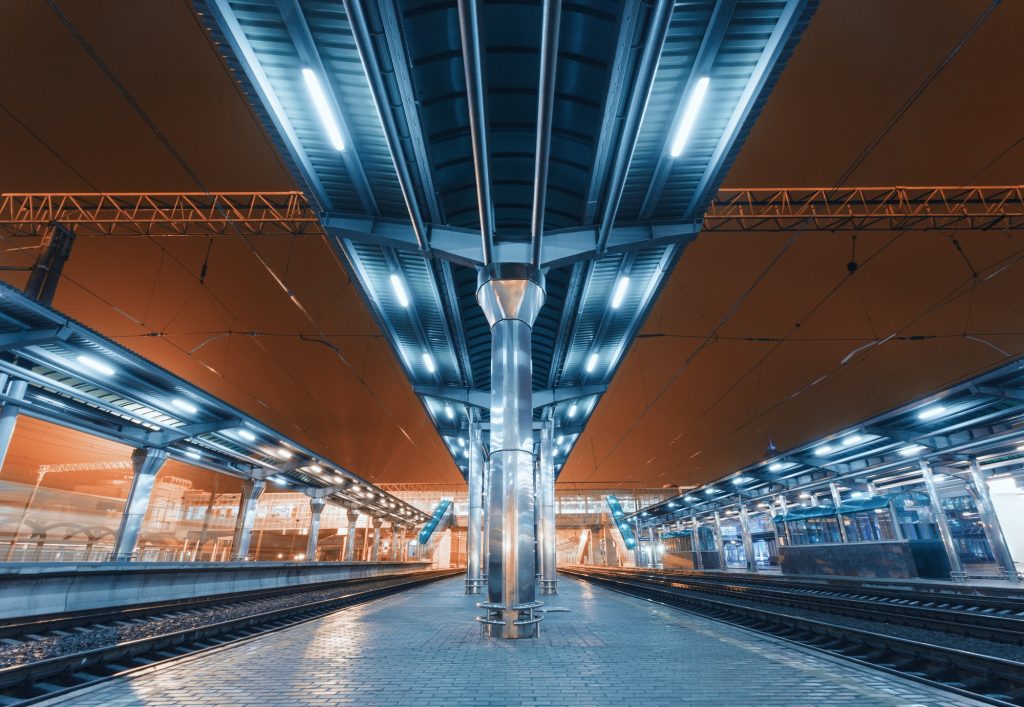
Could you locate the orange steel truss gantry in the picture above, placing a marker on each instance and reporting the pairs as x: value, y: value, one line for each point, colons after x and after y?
x: 288, y: 213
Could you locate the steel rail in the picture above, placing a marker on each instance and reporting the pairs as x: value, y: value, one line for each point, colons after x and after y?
x: 60, y: 675
x: 985, y: 678
x: 967, y: 620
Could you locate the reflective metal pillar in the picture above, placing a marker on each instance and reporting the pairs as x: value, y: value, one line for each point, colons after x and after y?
x: 9, y: 416
x: 316, y: 507
x: 719, y: 542
x: 511, y: 295
x: 698, y: 559
x: 375, y: 550
x: 990, y: 522
x: 546, y: 494
x: 956, y: 569
x: 474, y: 576
x: 147, y: 462
x: 486, y: 540
x: 748, y: 540
x: 251, y: 492
x: 837, y: 501
x: 352, y: 516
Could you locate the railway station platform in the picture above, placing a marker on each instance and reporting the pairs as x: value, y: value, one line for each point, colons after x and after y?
x: 423, y: 648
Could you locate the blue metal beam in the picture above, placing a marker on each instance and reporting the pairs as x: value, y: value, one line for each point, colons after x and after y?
x: 709, y: 46
x: 305, y: 46
x: 235, y: 35
x: 773, y: 49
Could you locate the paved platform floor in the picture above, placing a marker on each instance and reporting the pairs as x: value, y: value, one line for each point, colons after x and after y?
x: 423, y: 648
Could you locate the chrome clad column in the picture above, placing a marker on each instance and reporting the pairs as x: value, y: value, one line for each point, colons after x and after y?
x: 719, y: 542
x: 396, y: 553
x: 486, y: 541
x: 956, y: 570
x: 837, y: 501
x: 351, y: 515
x: 375, y: 551
x: 9, y: 416
x: 698, y: 559
x: 251, y: 492
x: 316, y: 507
x: 748, y: 541
x: 147, y: 462
x: 546, y: 493
x: 476, y: 510
x: 990, y: 522
x: 511, y: 295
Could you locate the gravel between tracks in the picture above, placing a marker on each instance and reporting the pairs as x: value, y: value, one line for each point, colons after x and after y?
x: 964, y: 643
x: 88, y: 637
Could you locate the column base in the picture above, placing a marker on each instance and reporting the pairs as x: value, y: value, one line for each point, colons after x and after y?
x: 517, y: 621
x: 549, y: 586
x: 474, y: 586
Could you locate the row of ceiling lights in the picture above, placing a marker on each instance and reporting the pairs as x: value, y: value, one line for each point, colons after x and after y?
x: 281, y: 452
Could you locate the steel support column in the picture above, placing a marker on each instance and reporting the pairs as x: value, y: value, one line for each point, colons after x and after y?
x: 719, y: 542
x: 511, y: 295
x: 748, y: 541
x: 956, y: 569
x: 698, y: 558
x: 476, y: 510
x: 375, y: 550
x: 990, y: 522
x: 316, y: 507
x: 9, y: 416
x: 837, y: 501
x: 352, y: 516
x: 251, y: 492
x: 486, y: 540
x: 546, y: 496
x: 147, y: 462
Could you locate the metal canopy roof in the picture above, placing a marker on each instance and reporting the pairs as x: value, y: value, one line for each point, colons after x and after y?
x: 982, y: 418
x: 82, y: 380
x: 401, y: 200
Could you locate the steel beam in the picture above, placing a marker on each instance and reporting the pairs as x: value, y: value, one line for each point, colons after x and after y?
x: 225, y: 17
x: 309, y: 57
x: 618, y: 81
x: 552, y: 13
x: 472, y: 59
x: 374, y: 76
x: 709, y: 46
x: 773, y: 49
x: 643, y: 83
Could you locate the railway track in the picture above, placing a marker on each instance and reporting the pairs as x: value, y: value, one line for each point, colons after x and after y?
x: 991, y: 618
x: 35, y: 680
x: 986, y: 678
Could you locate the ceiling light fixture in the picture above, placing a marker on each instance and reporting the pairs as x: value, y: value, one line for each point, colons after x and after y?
x: 449, y: 412
x: 326, y: 116
x: 591, y: 363
x: 184, y: 405
x: 96, y: 365
x: 428, y: 361
x: 932, y: 412
x: 620, y: 291
x: 572, y: 410
x: 399, y: 288
x: 246, y: 435
x: 693, y: 104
